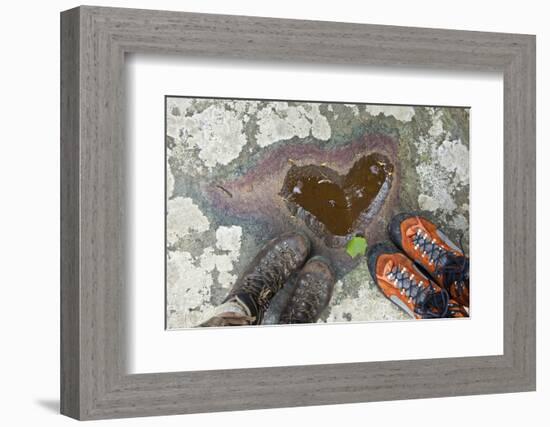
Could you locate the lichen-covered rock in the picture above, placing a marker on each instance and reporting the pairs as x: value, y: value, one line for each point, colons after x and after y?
x: 227, y: 161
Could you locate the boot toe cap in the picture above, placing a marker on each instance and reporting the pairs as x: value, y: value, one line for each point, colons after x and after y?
x: 375, y: 251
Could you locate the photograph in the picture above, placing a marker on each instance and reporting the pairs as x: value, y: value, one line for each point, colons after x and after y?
x: 281, y: 212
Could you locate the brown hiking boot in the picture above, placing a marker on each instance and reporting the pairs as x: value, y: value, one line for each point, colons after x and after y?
x: 314, y: 286
x: 265, y: 276
x: 405, y: 285
x: 428, y: 246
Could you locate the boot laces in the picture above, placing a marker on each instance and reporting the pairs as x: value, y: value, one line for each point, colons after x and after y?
x: 453, y: 268
x: 428, y: 302
x: 270, y: 276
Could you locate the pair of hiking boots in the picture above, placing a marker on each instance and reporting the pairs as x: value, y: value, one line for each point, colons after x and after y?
x: 272, y: 267
x: 423, y: 271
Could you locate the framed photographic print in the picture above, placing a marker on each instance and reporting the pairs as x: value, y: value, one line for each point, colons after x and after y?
x: 330, y: 195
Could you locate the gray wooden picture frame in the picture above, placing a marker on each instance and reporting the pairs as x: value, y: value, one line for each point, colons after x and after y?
x: 94, y: 381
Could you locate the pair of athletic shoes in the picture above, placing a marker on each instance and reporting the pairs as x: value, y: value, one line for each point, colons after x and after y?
x: 421, y: 270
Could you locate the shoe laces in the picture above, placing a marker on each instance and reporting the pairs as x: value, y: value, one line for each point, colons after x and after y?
x: 453, y: 268
x: 429, y: 302
x: 429, y: 248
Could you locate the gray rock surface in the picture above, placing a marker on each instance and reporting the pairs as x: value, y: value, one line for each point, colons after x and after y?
x: 225, y: 164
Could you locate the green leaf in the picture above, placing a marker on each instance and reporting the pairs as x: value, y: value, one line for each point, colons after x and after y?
x: 356, y: 246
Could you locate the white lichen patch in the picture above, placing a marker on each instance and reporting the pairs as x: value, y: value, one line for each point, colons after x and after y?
x: 320, y: 127
x: 184, y: 217
x: 429, y: 203
x: 191, y: 278
x: 436, y: 188
x: 207, y: 259
x: 442, y: 169
x: 226, y: 279
x: 459, y: 222
x: 403, y: 114
x: 176, y: 110
x: 223, y: 263
x: 436, y: 129
x: 169, y: 182
x: 229, y: 238
x: 454, y: 156
x: 207, y: 133
x: 225, y: 254
x: 216, y: 132
x: 188, y: 289
x: 354, y: 108
x: 278, y: 121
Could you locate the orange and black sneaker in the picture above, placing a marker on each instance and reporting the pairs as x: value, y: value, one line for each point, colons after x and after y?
x: 431, y: 248
x: 401, y: 281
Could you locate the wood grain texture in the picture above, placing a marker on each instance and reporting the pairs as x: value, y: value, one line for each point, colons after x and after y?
x: 94, y: 270
x: 70, y: 292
